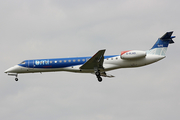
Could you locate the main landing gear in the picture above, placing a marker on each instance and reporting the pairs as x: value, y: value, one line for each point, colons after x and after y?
x: 98, y: 75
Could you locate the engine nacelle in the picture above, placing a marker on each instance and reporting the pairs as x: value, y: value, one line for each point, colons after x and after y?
x: 133, y: 54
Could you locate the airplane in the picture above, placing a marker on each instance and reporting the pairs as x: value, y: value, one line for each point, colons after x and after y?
x: 97, y: 64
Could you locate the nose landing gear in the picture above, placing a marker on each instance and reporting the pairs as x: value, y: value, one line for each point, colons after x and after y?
x: 14, y: 74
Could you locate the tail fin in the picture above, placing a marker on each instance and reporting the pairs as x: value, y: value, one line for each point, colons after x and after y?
x: 160, y: 47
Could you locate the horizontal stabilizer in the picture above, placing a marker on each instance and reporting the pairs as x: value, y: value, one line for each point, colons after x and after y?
x: 171, y: 41
x: 168, y: 36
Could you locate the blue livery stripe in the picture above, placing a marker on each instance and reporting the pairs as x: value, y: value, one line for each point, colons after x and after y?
x: 57, y: 62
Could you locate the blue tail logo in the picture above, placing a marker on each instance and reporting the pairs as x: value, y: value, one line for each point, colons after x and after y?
x: 160, y: 47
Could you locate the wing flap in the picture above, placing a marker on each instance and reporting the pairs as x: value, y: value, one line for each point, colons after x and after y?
x: 106, y: 75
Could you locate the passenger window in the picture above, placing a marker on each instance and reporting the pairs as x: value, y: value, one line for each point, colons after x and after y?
x: 60, y: 61
x: 55, y: 61
x: 64, y: 60
x: 83, y: 60
x: 69, y: 60
x: 50, y: 61
x: 78, y: 60
x: 74, y: 60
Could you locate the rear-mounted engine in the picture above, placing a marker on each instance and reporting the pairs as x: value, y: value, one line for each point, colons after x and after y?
x: 133, y: 54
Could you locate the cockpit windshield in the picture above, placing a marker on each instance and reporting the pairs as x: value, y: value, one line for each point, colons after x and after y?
x: 23, y: 63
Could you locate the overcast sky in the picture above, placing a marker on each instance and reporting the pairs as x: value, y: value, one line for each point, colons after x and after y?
x: 31, y: 29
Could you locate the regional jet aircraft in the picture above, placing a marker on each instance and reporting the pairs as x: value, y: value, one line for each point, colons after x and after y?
x: 97, y: 64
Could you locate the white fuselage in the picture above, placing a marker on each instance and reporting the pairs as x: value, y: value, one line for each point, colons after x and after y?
x: 109, y: 64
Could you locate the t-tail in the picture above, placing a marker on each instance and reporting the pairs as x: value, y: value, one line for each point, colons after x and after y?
x: 160, y: 47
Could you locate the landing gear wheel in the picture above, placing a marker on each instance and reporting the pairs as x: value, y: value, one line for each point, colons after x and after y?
x: 99, y: 79
x: 97, y: 73
x: 16, y: 79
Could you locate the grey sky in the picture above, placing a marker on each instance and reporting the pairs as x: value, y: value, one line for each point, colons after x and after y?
x: 50, y: 29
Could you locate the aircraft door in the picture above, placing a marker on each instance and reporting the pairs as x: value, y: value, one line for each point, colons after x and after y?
x: 30, y: 65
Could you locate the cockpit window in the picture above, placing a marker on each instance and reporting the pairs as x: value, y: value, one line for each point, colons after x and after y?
x: 23, y: 62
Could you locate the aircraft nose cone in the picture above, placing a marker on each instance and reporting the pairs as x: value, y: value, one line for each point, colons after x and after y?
x: 8, y: 70
x: 12, y: 69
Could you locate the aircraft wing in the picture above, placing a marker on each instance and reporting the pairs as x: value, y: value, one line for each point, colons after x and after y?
x: 95, y: 62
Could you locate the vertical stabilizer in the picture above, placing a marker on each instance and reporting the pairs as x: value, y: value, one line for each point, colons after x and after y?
x: 160, y: 47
